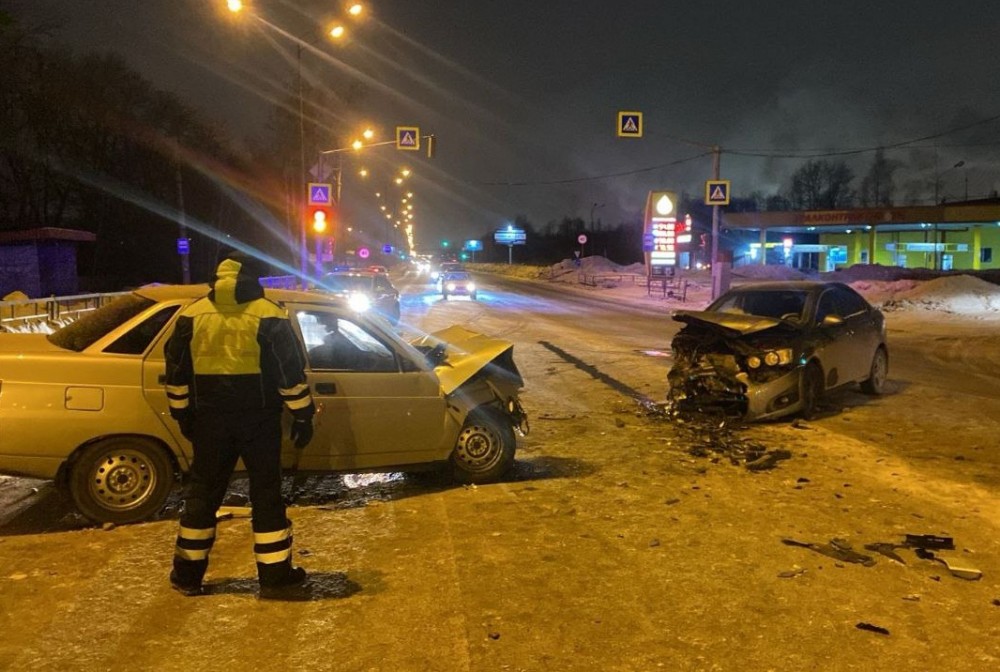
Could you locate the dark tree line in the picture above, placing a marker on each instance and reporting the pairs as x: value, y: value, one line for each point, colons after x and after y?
x: 87, y: 143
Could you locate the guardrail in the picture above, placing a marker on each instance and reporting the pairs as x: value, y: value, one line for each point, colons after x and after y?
x: 670, y: 286
x: 593, y: 279
x: 20, y: 315
x: 16, y: 315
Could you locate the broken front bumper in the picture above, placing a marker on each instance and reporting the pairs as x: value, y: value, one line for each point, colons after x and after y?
x: 737, y: 395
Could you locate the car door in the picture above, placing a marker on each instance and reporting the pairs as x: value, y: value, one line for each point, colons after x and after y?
x: 833, y: 341
x: 371, y: 412
x: 863, y: 332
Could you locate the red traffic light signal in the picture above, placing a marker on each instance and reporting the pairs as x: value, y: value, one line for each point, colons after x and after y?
x: 320, y: 218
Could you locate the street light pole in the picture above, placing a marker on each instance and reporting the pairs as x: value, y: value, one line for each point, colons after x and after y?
x: 301, y: 200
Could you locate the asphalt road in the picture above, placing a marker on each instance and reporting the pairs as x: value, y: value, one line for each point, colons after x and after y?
x: 620, y: 542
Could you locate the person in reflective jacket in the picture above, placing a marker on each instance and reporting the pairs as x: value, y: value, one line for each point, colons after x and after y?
x: 233, y: 362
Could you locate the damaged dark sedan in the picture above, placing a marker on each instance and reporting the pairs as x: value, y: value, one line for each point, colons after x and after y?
x: 772, y: 349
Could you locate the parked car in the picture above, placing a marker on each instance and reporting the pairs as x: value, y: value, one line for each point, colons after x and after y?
x: 86, y: 405
x: 365, y: 290
x: 773, y: 349
x: 458, y: 283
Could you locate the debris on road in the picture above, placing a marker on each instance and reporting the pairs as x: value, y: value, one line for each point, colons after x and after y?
x: 872, y: 628
x: 967, y: 573
x: 838, y: 549
x: 887, y: 549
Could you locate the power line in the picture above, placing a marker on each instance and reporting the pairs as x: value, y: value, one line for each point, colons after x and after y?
x: 593, y: 177
x: 798, y: 154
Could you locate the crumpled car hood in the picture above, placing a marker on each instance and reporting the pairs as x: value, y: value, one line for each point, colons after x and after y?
x: 728, y: 324
x: 467, y: 353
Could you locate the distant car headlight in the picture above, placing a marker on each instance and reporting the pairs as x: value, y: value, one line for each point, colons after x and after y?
x: 753, y: 361
x: 451, y: 286
x: 470, y: 286
x: 359, y: 303
x: 435, y: 275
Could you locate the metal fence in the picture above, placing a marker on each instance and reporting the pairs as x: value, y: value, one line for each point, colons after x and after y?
x: 22, y: 314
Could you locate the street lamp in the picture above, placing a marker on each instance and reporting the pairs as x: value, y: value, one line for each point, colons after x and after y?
x: 337, y: 32
x: 937, y: 181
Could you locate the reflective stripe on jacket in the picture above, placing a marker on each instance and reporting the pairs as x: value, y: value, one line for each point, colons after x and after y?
x: 235, y: 351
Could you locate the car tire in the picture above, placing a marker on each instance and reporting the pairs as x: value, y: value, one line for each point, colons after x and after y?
x: 485, y: 448
x: 812, y: 390
x: 120, y: 480
x: 878, y: 373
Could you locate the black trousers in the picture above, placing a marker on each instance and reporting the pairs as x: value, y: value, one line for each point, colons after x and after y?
x: 220, y: 439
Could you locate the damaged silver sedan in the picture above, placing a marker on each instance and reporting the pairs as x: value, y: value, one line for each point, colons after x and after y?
x: 773, y: 349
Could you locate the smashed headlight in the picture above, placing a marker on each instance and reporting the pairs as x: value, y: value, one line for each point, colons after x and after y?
x: 780, y: 357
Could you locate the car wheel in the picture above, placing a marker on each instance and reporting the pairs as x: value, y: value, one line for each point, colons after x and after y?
x: 812, y: 390
x: 121, y: 479
x: 877, y: 374
x: 485, y: 447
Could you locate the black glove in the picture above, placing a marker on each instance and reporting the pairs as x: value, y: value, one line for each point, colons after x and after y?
x: 302, y: 432
x: 186, y: 422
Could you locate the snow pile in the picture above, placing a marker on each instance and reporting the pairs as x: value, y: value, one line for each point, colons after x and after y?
x: 962, y: 294
x: 772, y: 272
x: 879, y: 292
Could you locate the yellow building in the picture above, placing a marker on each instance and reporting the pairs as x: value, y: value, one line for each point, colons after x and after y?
x: 957, y: 236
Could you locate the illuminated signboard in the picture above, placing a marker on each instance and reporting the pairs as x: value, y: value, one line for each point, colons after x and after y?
x: 663, y: 229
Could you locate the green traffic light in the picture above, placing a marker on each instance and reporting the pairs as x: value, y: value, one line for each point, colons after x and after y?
x: 444, y: 243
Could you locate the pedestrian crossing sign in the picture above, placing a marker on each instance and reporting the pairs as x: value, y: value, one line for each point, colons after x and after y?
x: 717, y: 192
x: 408, y: 138
x: 319, y: 194
x: 630, y: 124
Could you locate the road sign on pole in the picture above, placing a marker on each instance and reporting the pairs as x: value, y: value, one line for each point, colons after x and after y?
x: 319, y: 194
x: 408, y: 138
x: 630, y: 124
x: 717, y: 192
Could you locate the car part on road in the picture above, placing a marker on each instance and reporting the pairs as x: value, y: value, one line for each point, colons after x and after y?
x: 887, y: 549
x: 838, y: 549
x: 872, y: 628
x: 967, y: 573
x: 121, y: 479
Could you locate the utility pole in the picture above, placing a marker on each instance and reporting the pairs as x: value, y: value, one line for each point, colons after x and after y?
x: 181, y: 223
x: 301, y: 200
x: 716, y: 268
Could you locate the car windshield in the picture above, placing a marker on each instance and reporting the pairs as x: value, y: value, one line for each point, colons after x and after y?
x: 457, y: 276
x: 784, y: 304
x: 90, y: 327
x: 348, y: 283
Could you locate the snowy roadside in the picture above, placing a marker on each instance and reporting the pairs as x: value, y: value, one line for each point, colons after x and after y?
x: 949, y: 304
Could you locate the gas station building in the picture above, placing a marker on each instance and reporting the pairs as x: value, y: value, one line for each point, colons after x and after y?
x: 959, y: 236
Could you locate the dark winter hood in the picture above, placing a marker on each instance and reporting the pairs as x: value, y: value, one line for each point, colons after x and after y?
x: 237, y: 280
x: 728, y: 324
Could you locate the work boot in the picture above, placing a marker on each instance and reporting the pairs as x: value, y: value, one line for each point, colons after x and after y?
x: 185, y: 588
x: 290, y: 587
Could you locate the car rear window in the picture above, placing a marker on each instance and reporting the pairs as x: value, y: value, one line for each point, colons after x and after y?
x: 86, y: 330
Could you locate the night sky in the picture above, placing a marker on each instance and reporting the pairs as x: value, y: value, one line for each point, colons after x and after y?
x: 522, y: 95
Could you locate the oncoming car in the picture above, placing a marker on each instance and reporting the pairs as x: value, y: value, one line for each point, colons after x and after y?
x: 365, y: 290
x: 773, y: 349
x: 437, y: 275
x: 458, y: 283
x: 86, y: 405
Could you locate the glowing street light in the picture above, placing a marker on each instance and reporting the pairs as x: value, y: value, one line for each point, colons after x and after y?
x: 355, y: 9
x: 405, y: 172
x: 234, y: 5
x: 357, y: 145
x: 363, y: 172
x: 399, y: 180
x: 368, y: 134
x: 337, y: 32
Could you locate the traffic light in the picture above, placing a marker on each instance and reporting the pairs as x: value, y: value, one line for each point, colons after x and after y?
x: 319, y: 218
x: 445, y: 243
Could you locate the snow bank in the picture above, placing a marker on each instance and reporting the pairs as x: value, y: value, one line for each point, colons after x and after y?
x: 773, y: 272
x: 962, y: 294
